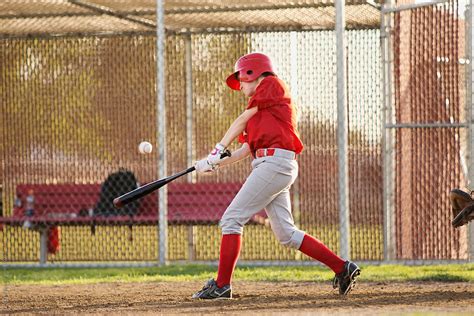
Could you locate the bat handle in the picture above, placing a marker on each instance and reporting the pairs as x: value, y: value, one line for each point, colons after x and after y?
x: 226, y: 153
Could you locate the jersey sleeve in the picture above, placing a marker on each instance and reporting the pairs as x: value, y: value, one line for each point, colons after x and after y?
x: 271, y: 91
x: 243, y: 138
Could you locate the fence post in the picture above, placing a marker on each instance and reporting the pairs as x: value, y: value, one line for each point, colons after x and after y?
x: 191, y: 177
x: 342, y: 134
x: 161, y: 130
x: 189, y: 134
x: 387, y: 137
x: 470, y: 117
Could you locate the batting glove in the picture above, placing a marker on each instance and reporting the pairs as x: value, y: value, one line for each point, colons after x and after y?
x: 203, y: 166
x: 214, y: 157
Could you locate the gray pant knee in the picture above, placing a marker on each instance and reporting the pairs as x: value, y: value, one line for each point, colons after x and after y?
x: 230, y: 226
x: 295, y: 240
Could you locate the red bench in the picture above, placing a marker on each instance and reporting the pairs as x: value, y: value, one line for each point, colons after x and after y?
x: 72, y: 205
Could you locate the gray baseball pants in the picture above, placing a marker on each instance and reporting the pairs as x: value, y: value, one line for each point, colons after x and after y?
x: 267, y: 187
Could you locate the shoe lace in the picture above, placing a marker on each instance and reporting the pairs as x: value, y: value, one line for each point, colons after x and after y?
x: 207, y: 285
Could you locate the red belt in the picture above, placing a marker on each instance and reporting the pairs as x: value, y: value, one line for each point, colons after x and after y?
x: 264, y: 152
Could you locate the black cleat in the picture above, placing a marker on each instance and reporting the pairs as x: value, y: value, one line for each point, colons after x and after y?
x: 212, y: 291
x: 346, y: 280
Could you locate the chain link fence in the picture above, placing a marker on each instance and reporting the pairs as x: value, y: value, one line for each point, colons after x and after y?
x: 78, y: 91
x: 427, y: 127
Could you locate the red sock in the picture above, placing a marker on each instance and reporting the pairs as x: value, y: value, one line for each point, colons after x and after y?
x: 230, y: 249
x: 317, y: 250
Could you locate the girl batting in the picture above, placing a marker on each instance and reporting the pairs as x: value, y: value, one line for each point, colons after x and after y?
x: 267, y: 131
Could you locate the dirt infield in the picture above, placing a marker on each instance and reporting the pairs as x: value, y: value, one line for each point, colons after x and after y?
x: 264, y: 298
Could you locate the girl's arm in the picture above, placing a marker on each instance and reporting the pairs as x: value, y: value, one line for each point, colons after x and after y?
x: 237, y: 155
x: 237, y: 126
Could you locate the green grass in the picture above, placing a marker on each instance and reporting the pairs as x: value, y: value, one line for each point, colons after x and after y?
x: 174, y: 273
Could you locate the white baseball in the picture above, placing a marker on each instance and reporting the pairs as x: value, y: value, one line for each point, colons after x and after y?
x: 145, y: 148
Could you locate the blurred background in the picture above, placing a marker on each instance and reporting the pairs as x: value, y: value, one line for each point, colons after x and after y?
x: 78, y: 82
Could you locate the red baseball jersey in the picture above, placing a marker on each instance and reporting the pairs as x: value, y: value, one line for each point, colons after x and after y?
x: 274, y: 125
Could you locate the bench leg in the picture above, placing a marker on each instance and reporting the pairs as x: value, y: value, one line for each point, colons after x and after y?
x: 43, y: 245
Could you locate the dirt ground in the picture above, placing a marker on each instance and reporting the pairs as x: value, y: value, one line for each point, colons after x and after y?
x: 264, y: 298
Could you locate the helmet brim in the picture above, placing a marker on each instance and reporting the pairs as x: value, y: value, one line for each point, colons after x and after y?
x: 232, y: 82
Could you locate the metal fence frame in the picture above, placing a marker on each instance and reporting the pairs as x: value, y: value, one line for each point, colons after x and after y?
x: 388, y: 8
x: 470, y: 111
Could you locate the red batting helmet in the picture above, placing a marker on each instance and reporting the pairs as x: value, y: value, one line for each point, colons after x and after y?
x: 248, y: 68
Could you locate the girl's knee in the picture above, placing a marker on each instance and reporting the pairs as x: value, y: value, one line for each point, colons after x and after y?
x: 292, y: 240
x: 230, y: 226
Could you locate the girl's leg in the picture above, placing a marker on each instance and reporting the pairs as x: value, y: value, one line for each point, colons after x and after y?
x: 315, y: 249
x: 229, y: 253
x: 281, y: 219
x: 266, y: 181
x: 270, y: 175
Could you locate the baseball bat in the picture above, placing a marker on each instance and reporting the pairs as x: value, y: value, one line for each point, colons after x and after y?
x: 153, y: 186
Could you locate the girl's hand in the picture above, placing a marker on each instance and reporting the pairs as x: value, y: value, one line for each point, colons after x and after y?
x: 218, y: 154
x: 203, y: 166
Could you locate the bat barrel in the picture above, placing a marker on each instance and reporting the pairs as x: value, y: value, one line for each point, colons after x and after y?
x: 155, y: 185
x: 138, y: 193
x: 147, y: 189
x: 118, y: 203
